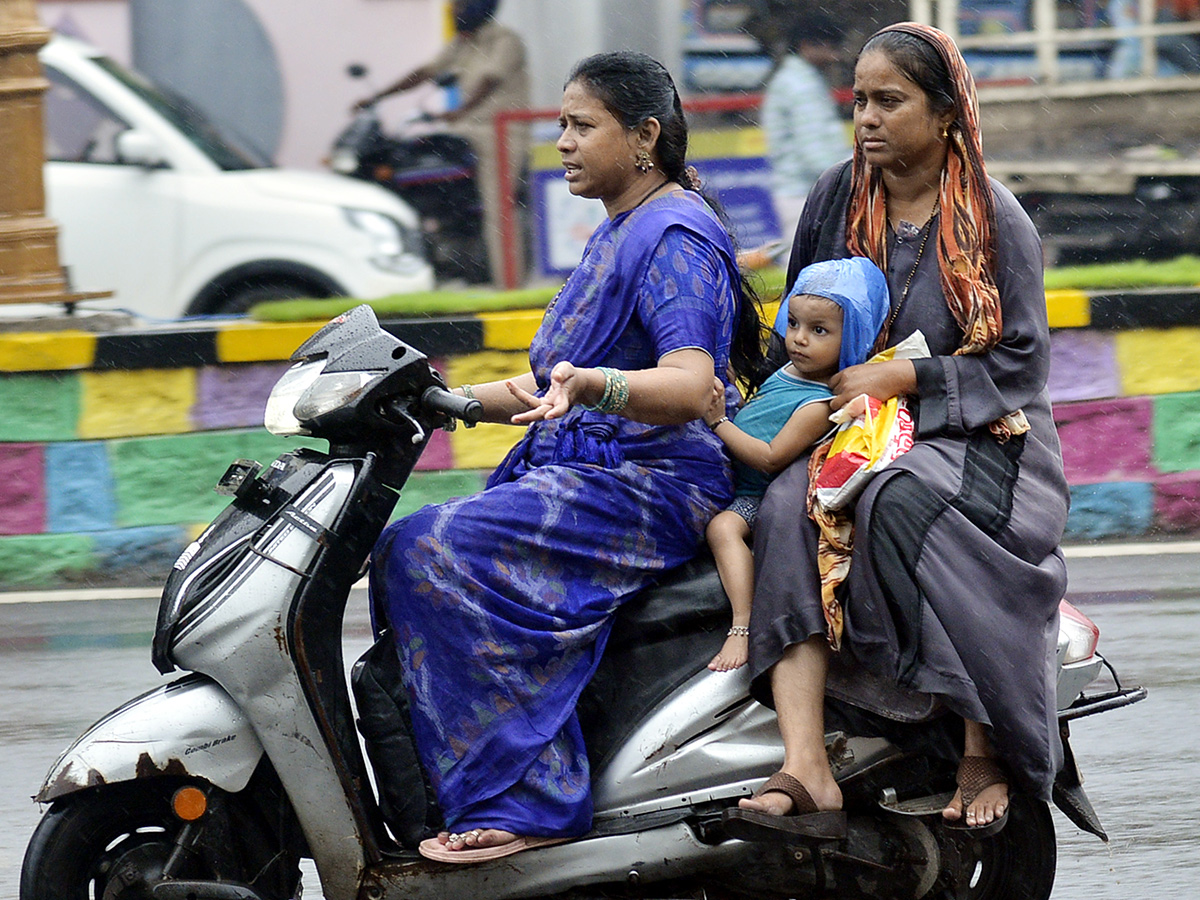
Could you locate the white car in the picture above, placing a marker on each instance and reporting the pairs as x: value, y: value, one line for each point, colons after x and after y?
x: 154, y: 204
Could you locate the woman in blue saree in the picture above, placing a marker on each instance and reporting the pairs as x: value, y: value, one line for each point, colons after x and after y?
x: 501, y: 602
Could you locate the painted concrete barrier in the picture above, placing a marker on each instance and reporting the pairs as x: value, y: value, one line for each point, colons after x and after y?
x: 110, y: 443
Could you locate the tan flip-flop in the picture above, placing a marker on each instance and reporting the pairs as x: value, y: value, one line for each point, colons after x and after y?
x: 434, y: 849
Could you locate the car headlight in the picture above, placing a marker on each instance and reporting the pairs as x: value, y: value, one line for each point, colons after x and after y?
x: 395, y: 246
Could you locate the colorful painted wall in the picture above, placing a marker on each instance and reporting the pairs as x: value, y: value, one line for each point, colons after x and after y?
x: 110, y: 444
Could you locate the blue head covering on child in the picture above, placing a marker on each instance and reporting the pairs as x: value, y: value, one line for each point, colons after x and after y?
x: 859, y: 288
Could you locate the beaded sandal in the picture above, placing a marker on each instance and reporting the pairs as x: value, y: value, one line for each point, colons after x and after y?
x: 975, y: 775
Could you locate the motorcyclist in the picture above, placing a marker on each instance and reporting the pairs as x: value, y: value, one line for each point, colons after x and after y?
x: 486, y: 62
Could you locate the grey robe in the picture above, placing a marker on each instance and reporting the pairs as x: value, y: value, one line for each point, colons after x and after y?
x: 956, y: 574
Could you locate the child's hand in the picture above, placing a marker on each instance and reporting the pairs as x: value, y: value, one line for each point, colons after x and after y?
x: 716, y: 402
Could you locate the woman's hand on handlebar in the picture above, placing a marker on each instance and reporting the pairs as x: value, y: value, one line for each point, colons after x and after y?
x: 881, y: 380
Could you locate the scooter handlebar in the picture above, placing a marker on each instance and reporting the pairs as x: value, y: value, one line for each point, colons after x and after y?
x: 448, y: 403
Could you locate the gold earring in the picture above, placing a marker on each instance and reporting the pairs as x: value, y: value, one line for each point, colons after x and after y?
x: 945, y: 132
x: 643, y: 163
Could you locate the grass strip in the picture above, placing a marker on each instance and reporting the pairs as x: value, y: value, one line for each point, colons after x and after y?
x: 1183, y: 271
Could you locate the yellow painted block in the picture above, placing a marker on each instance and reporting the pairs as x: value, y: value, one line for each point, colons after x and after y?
x: 510, y: 330
x: 1068, y: 309
x: 489, y: 365
x: 484, y: 446
x: 138, y: 402
x: 46, y: 351
x: 1158, y: 360
x: 260, y: 342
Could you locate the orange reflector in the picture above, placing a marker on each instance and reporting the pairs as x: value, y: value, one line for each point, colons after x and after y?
x: 189, y: 803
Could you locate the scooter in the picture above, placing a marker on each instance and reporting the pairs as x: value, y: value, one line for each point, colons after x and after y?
x: 215, y: 785
x: 434, y: 173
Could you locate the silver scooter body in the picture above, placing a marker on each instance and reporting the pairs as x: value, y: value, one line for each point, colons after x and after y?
x: 254, y: 610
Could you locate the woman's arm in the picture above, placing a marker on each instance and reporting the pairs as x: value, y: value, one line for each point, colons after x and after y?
x: 673, y: 392
x: 499, y: 403
x: 805, y: 427
x: 959, y: 394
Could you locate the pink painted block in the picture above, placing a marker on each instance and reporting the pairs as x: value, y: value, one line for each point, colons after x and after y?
x: 1177, y: 501
x: 439, y: 453
x: 1083, y: 366
x: 1106, y: 440
x: 22, y: 489
x: 234, y: 396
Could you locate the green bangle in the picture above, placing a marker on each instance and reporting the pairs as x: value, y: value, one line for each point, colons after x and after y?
x: 468, y: 392
x: 616, y: 392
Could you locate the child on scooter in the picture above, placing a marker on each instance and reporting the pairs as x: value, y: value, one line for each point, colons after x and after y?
x: 829, y: 320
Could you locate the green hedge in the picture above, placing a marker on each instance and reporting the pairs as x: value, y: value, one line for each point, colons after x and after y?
x: 1183, y: 271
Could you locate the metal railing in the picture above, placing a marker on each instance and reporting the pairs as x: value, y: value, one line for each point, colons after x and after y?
x: 1046, y: 39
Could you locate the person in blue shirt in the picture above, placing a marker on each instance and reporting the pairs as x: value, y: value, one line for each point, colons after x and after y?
x: 828, y: 321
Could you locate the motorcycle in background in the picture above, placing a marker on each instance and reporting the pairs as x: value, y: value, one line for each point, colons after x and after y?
x: 214, y: 786
x: 433, y: 172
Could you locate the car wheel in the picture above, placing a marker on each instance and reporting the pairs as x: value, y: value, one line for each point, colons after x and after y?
x: 239, y: 299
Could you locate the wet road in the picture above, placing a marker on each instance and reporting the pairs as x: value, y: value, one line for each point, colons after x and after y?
x: 63, y: 664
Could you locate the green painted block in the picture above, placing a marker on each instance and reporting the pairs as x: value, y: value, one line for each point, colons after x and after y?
x: 38, y: 560
x: 39, y: 407
x: 1177, y: 432
x: 169, y: 480
x: 424, y: 488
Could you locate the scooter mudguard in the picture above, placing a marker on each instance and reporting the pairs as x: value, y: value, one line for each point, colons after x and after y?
x: 189, y: 728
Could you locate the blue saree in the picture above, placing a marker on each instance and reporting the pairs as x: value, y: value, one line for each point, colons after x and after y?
x: 501, y: 602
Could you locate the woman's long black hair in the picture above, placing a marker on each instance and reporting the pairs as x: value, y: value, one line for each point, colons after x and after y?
x: 635, y: 87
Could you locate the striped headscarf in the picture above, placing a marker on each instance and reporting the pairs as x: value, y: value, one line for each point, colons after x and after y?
x: 966, y: 254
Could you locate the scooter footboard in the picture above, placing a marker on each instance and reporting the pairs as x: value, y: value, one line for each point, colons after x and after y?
x: 188, y: 728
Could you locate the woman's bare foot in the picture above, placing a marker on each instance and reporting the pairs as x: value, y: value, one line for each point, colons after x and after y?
x: 475, y: 839
x: 733, y: 654
x: 988, y: 806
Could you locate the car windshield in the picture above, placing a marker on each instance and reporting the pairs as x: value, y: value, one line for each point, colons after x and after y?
x: 223, y: 149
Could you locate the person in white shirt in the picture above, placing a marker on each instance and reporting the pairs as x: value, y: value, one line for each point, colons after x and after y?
x: 804, y: 134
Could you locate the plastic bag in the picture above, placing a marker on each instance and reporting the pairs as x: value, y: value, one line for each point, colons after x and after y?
x: 871, y: 434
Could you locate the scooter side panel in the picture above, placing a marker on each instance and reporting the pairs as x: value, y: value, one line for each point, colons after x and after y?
x: 262, y: 678
x: 189, y: 728
x: 708, y: 737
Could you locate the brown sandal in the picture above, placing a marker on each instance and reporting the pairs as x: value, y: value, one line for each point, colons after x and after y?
x: 805, y: 822
x: 975, y: 775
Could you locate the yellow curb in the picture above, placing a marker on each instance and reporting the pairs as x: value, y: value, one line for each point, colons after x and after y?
x: 511, y: 330
x: 30, y: 351
x: 262, y: 342
x: 1068, y: 308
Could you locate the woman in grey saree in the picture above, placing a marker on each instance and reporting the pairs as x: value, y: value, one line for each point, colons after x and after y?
x: 955, y: 573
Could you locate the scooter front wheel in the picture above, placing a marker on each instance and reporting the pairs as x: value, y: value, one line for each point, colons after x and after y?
x: 114, y: 842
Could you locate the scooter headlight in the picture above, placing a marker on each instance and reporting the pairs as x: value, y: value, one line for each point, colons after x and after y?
x: 344, y: 161
x: 280, y: 416
x: 332, y: 391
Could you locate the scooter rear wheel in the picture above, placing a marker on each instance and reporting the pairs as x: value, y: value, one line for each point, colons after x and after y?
x: 1016, y: 864
x: 113, y: 842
